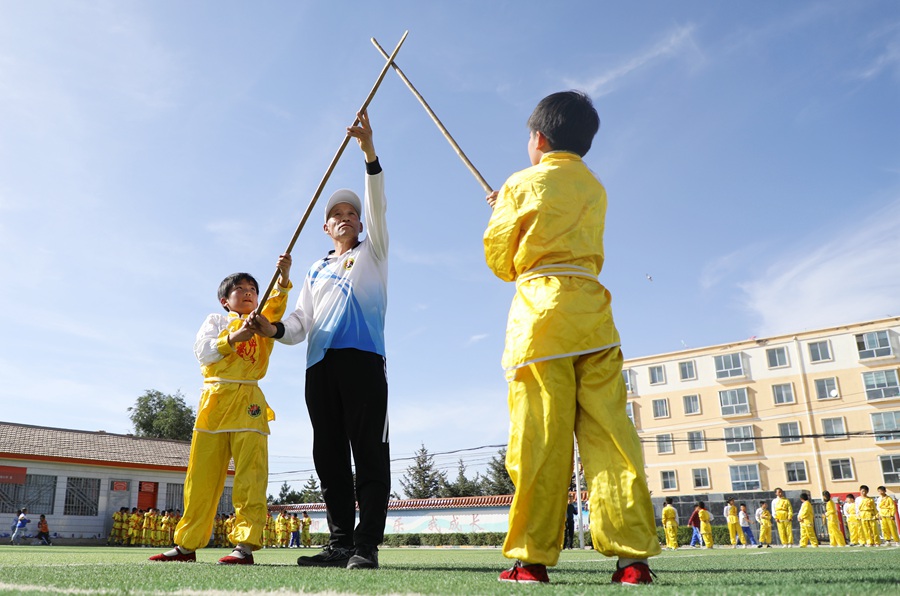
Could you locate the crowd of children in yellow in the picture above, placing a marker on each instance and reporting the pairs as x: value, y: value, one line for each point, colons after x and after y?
x: 862, y: 517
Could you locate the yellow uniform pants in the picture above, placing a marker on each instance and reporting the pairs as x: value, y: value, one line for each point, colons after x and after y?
x: 889, y: 529
x: 835, y: 535
x: 207, y: 468
x: 853, y: 529
x: 785, y: 533
x: 808, y: 534
x: 548, y: 401
x: 765, y: 533
x: 671, y: 535
x: 868, y: 531
x: 735, y: 533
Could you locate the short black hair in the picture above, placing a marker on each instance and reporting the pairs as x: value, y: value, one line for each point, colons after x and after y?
x: 232, y: 280
x: 804, y: 497
x: 881, y: 488
x: 827, y: 495
x: 701, y: 505
x: 669, y: 500
x: 568, y: 120
x: 863, y: 486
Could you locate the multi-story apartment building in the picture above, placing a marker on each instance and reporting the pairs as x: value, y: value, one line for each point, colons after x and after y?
x: 815, y: 410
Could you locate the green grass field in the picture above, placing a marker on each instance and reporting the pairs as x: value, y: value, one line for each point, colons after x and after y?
x: 103, y: 570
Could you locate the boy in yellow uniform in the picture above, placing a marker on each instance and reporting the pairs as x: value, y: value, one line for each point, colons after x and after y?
x: 887, y: 509
x: 232, y: 421
x: 807, y: 526
x: 835, y: 535
x: 868, y: 515
x: 764, y: 519
x: 705, y: 525
x: 852, y: 520
x: 784, y: 516
x: 147, y: 528
x: 562, y: 357
x: 295, y: 531
x: 670, y: 524
x: 305, y: 523
x: 136, y: 524
x: 268, y: 541
x: 734, y: 525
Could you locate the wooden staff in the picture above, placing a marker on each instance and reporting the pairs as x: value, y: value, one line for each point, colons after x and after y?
x: 487, y: 187
x: 337, y: 156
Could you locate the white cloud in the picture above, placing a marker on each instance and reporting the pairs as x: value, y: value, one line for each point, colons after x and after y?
x: 676, y: 43
x: 887, y: 42
x: 477, y: 338
x: 853, y: 276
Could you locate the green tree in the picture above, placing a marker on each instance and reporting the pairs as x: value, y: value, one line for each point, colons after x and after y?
x: 161, y: 416
x: 422, y: 480
x: 497, y: 481
x: 286, y: 495
x: 462, y: 486
x: 311, y: 493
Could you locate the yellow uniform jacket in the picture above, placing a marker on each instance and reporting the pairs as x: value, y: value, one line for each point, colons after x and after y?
x: 231, y: 400
x: 865, y: 508
x: 887, y: 507
x: 554, y: 253
x: 669, y: 515
x: 805, y: 515
x: 782, y: 509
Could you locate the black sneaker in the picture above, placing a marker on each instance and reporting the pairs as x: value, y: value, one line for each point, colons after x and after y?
x: 331, y: 556
x: 364, y: 557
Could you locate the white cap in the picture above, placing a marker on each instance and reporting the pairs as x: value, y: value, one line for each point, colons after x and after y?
x: 344, y: 195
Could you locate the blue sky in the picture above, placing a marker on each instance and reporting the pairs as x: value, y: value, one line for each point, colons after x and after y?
x: 751, y: 152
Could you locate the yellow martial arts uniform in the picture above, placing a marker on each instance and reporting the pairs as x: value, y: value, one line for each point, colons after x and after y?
x: 137, y: 524
x: 835, y: 535
x: 232, y: 423
x: 807, y: 525
x: 564, y: 367
x: 670, y: 525
x: 305, y: 539
x: 765, y: 526
x: 852, y: 522
x: 734, y: 526
x: 887, y: 508
x: 868, y: 530
x: 705, y: 528
x: 784, y: 515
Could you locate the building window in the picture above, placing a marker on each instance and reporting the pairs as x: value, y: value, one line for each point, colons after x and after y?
x: 38, y: 494
x: 82, y: 496
x: 225, y: 505
x: 886, y: 426
x: 657, y: 375
x: 789, y: 432
x: 729, y: 366
x: 686, y: 370
x: 661, y: 408
x: 777, y: 357
x: 664, y: 444
x: 669, y: 480
x: 691, y: 404
x: 890, y: 468
x: 629, y: 380
x: 826, y: 388
x: 834, y: 428
x: 819, y: 351
x: 734, y: 402
x: 696, y: 440
x: 744, y: 477
x: 875, y: 344
x: 796, y: 471
x: 783, y: 394
x: 174, y: 496
x: 739, y: 439
x: 629, y: 410
x: 841, y: 469
x: 881, y: 384
x: 701, y: 477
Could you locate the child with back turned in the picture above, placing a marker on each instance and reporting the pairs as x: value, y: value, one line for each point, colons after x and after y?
x: 562, y: 355
x: 232, y: 421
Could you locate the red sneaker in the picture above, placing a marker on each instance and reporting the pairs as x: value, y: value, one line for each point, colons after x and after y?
x: 235, y: 558
x: 633, y: 575
x: 526, y: 574
x: 179, y: 556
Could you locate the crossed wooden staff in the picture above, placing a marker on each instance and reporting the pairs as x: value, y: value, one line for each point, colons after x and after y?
x: 390, y: 63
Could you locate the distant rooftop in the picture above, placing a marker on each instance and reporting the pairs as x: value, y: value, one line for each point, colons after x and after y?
x: 26, y: 442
